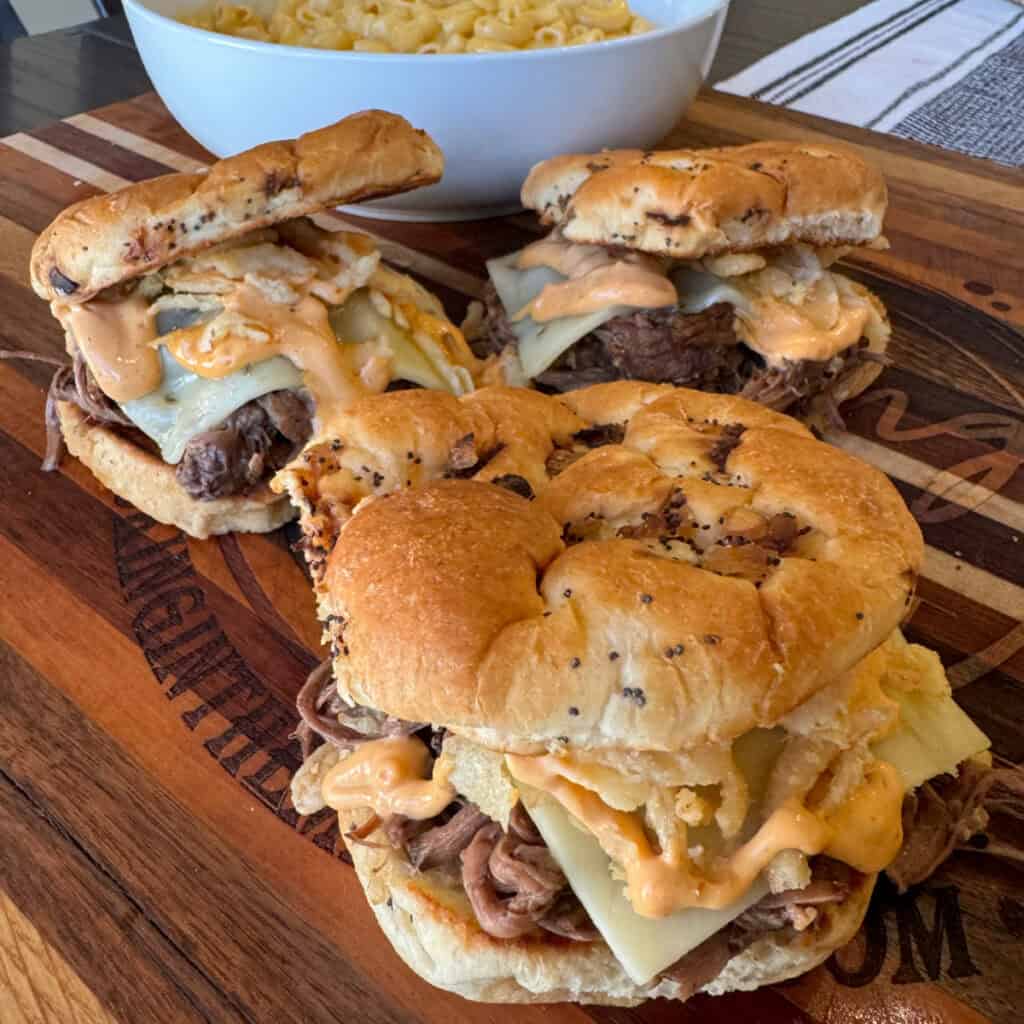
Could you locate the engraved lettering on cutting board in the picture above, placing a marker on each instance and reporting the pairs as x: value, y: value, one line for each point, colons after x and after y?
x: 991, y: 470
x: 186, y: 647
x: 927, y: 946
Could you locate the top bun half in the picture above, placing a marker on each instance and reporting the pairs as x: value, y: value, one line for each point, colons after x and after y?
x: 108, y: 239
x: 693, y: 203
x: 625, y: 566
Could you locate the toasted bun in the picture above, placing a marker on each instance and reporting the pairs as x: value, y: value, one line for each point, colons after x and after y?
x: 706, y: 202
x: 111, y: 238
x: 429, y: 921
x: 150, y: 485
x: 504, y: 625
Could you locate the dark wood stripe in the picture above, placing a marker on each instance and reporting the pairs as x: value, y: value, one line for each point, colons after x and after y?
x: 974, y: 539
x: 190, y: 894
x: 955, y: 623
x: 100, y: 152
x: 80, y: 910
x: 147, y: 116
x: 34, y: 193
x: 27, y: 325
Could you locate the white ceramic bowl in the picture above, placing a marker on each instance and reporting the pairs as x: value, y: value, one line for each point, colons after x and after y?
x: 493, y: 114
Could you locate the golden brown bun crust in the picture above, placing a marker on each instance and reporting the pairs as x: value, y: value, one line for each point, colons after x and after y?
x: 504, y: 626
x: 428, y: 920
x: 706, y: 202
x: 111, y: 238
x: 150, y: 485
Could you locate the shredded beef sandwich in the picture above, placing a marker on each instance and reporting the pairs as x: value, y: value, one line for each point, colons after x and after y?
x: 708, y: 269
x: 618, y: 705
x: 211, y: 326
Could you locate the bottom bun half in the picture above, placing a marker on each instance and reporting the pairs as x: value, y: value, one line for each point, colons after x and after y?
x: 150, y: 485
x: 429, y: 921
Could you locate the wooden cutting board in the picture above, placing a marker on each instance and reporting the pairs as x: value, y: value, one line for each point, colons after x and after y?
x: 151, y: 864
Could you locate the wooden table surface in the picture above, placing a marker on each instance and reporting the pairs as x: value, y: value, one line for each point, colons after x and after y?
x: 151, y: 866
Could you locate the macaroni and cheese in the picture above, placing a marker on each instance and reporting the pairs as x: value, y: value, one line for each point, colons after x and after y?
x: 426, y: 26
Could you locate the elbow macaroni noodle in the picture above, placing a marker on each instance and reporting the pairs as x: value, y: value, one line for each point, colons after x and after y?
x: 426, y: 26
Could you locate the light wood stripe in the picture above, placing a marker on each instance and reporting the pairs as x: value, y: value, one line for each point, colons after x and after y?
x: 135, y: 143
x: 37, y: 986
x: 72, y: 166
x: 941, y: 483
x: 973, y: 583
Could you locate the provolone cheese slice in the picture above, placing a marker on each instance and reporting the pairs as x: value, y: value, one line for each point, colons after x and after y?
x: 540, y: 344
x: 698, y: 291
x: 643, y: 945
x: 186, y: 404
x: 358, y: 321
x: 934, y: 735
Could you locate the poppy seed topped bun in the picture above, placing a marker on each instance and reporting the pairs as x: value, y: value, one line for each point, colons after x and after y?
x: 108, y: 239
x: 691, y: 204
x: 704, y: 563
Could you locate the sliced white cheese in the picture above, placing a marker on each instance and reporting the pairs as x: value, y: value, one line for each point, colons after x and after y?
x: 698, y: 290
x: 540, y: 344
x: 643, y: 945
x: 934, y: 735
x: 358, y: 321
x: 186, y: 404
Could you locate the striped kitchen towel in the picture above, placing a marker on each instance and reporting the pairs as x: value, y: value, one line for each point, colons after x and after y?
x: 945, y: 72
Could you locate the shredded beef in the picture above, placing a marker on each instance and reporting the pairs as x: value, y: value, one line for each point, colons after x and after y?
x: 704, y: 963
x: 779, y: 388
x: 238, y: 453
x: 513, y: 883
x: 443, y: 843
x: 289, y: 413
x: 76, y: 384
x: 229, y: 458
x: 528, y: 899
x: 698, y: 350
x: 325, y: 716
x: 217, y: 463
x: 496, y: 334
x: 568, y: 918
x: 944, y: 813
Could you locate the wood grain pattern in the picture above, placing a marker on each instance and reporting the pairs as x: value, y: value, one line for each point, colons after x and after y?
x: 148, y: 680
x: 36, y: 984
